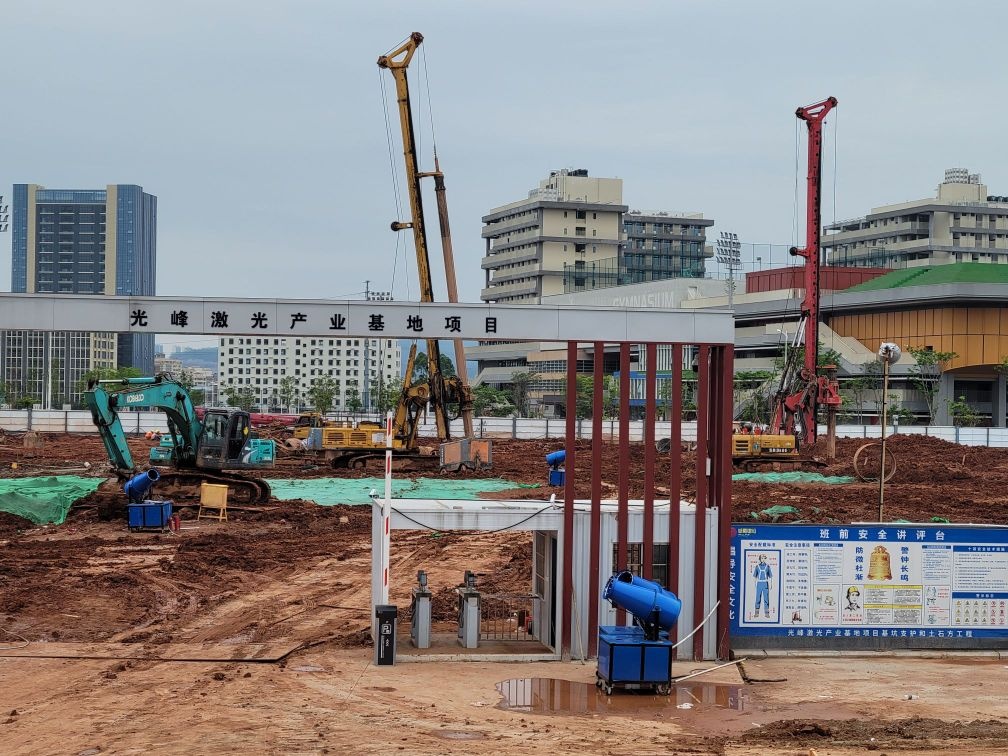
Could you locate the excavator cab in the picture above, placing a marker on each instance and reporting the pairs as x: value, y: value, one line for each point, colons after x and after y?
x: 226, y: 442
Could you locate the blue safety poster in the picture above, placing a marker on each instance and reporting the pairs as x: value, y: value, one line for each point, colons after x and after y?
x: 869, y: 581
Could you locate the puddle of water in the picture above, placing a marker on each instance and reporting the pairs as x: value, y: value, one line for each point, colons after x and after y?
x: 543, y: 695
x: 699, y: 707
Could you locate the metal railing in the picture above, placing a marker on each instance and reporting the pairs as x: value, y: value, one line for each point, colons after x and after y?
x: 508, y: 616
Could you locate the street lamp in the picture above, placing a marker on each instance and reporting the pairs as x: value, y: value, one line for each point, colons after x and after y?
x: 729, y: 253
x: 888, y: 353
x: 784, y: 333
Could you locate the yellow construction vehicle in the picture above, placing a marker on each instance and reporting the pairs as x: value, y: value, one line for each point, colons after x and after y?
x: 447, y: 396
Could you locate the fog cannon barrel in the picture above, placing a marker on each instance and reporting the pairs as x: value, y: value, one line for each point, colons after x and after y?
x: 556, y: 458
x: 646, y: 600
x: 138, y: 486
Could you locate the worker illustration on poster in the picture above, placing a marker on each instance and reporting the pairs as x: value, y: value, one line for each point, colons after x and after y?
x: 762, y: 586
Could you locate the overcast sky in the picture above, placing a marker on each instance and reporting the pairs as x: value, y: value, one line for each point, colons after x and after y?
x: 260, y: 126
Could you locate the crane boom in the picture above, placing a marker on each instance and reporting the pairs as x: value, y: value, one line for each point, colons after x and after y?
x: 442, y: 391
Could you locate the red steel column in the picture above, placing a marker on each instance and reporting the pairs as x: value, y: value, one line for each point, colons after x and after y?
x: 623, y: 488
x: 725, y: 505
x: 595, y: 547
x: 675, y: 477
x: 714, y: 409
x: 568, y: 518
x: 703, y: 381
x: 650, y: 388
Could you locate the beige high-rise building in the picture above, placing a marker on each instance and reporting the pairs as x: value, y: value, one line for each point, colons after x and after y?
x: 570, y: 218
x: 961, y: 224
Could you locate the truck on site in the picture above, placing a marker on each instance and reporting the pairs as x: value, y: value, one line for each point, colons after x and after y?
x: 804, y: 386
x: 214, y: 449
x: 447, y: 397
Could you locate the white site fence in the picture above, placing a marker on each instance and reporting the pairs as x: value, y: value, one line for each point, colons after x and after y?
x: 79, y: 421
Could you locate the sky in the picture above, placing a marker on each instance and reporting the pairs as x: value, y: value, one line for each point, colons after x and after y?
x: 261, y: 127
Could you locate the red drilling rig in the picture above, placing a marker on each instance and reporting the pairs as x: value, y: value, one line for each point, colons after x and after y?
x: 802, y: 389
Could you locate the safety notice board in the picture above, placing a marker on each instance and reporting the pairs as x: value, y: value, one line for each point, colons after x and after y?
x: 942, y: 585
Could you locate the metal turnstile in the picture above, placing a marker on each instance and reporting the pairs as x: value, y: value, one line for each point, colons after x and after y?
x: 468, y: 612
x: 420, y: 623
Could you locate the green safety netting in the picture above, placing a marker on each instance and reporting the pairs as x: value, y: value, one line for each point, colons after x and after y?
x: 327, y: 491
x: 43, y: 500
x: 793, y: 476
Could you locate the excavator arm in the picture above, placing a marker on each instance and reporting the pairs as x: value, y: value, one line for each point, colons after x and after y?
x: 105, y: 398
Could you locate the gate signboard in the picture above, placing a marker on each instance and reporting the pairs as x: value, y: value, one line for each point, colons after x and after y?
x: 868, y: 586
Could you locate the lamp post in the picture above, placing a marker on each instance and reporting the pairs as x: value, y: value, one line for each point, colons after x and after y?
x: 784, y: 333
x: 729, y: 253
x: 888, y: 354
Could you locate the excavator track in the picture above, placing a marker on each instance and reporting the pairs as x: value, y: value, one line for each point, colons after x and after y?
x: 241, y: 489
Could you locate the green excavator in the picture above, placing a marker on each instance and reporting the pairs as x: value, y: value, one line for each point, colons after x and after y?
x: 211, y: 449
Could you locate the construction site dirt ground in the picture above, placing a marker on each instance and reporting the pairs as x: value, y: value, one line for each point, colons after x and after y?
x: 252, y: 635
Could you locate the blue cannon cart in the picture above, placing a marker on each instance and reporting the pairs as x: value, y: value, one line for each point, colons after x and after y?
x: 639, y: 656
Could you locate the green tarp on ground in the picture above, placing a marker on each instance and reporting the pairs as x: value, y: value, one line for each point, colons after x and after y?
x: 793, y: 476
x: 328, y: 491
x: 43, y: 500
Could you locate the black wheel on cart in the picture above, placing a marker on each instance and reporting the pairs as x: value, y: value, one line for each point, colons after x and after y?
x: 607, y: 688
x: 663, y: 689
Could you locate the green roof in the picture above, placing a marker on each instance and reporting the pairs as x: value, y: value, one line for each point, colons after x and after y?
x: 934, y: 275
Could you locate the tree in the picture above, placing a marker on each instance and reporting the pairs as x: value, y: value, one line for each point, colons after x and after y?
x: 610, y: 397
x: 385, y: 394
x: 584, y: 399
x: 963, y: 414
x: 420, y: 373
x: 186, y: 380
x: 55, y: 382
x: 287, y: 391
x: 746, y: 390
x: 689, y: 394
x: 491, y: 402
x: 864, y: 387
x: 242, y: 397
x: 925, y: 375
x: 321, y: 393
x: 354, y: 403
x: 521, y: 384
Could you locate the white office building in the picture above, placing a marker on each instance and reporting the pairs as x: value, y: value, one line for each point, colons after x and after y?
x: 962, y: 223
x: 261, y: 363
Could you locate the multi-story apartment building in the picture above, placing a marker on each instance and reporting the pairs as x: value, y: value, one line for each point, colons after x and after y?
x: 72, y: 241
x: 200, y: 378
x: 573, y: 234
x: 261, y: 363
x: 655, y: 247
x: 570, y: 218
x: 961, y: 224
x: 163, y: 364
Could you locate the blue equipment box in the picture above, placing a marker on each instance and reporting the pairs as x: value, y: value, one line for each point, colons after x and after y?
x: 626, y: 657
x: 556, y: 477
x: 150, y: 514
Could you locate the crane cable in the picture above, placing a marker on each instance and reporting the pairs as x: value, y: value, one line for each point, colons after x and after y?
x: 430, y: 109
x: 396, y: 192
